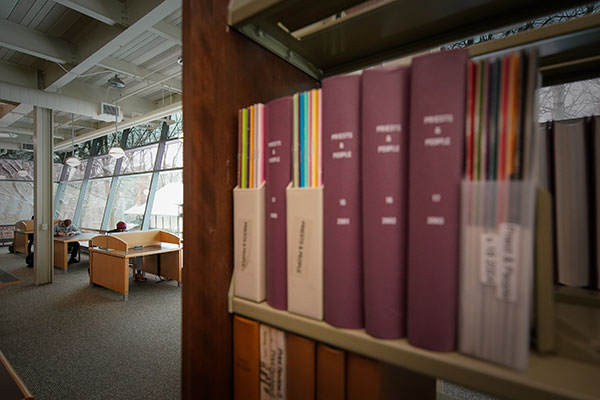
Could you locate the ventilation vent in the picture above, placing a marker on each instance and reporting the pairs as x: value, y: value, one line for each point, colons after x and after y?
x: 108, y: 112
x: 27, y: 146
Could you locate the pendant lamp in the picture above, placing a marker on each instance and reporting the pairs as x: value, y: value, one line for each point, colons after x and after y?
x: 73, y: 161
x: 115, y: 82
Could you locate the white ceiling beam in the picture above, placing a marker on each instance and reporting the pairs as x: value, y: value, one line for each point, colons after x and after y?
x: 53, y: 101
x: 24, y: 131
x: 135, y: 92
x: 153, y: 14
x: 16, y: 114
x: 18, y: 75
x: 25, y: 40
x: 6, y: 6
x: 97, y: 94
x: 110, y: 12
x: 5, y: 145
x: 168, y: 31
x: 108, y: 128
x: 126, y: 68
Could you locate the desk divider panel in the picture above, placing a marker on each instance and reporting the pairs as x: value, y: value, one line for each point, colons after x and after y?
x: 24, y: 226
x: 134, y: 239
x: 109, y: 242
x: 168, y: 237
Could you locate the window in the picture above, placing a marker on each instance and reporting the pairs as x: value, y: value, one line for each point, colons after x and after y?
x: 77, y: 173
x: 67, y: 204
x: 173, y: 157
x: 17, y: 201
x: 94, y: 202
x: 129, y: 204
x: 57, y: 171
x: 103, y: 166
x: 570, y: 100
x: 167, y: 209
x: 139, y: 160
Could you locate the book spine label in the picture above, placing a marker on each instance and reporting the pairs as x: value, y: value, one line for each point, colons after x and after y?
x: 342, y: 262
x: 385, y: 101
x: 278, y: 126
x: 279, y: 361
x: 437, y: 121
x: 265, y: 374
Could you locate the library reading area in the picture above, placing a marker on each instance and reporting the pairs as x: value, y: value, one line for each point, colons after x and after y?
x: 383, y: 199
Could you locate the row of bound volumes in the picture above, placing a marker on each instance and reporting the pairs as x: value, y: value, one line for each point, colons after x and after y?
x: 271, y: 364
x: 378, y: 245
x: 571, y: 172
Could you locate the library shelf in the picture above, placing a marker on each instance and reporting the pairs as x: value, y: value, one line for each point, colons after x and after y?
x: 338, y: 36
x: 548, y: 377
x: 577, y: 296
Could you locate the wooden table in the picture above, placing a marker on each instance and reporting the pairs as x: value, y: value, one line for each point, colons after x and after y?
x: 61, y: 247
x: 110, y: 255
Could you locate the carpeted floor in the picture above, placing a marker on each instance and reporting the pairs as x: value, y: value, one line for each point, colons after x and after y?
x: 68, y: 340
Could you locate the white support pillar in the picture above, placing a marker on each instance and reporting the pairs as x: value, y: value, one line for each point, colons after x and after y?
x: 42, y: 197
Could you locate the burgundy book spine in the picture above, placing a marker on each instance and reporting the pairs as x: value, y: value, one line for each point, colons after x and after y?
x: 278, y: 138
x: 342, y: 248
x: 437, y: 127
x: 384, y: 136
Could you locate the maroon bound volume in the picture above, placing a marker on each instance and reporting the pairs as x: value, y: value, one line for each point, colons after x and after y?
x: 385, y: 101
x: 342, y: 249
x: 437, y: 128
x: 278, y: 131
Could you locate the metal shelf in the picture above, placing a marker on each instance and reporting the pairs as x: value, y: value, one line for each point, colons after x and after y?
x: 386, y: 30
x: 547, y: 377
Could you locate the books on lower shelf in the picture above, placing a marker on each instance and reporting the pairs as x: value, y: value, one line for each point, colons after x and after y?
x: 272, y: 364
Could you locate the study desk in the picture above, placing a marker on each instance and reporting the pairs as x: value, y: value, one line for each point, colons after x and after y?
x: 21, y: 239
x: 110, y: 255
x: 61, y: 248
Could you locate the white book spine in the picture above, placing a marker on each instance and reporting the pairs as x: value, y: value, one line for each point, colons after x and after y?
x: 249, y: 243
x: 265, y: 371
x: 305, y: 251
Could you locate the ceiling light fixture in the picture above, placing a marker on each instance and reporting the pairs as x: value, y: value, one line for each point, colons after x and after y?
x: 73, y: 161
x: 115, y: 82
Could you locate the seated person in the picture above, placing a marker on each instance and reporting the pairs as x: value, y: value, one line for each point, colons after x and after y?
x: 137, y: 272
x: 121, y: 227
x: 66, y: 228
x: 30, y: 240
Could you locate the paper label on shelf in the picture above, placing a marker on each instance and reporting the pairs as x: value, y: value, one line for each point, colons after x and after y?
x: 246, y: 243
x: 489, y: 258
x: 301, y: 232
x: 507, y: 275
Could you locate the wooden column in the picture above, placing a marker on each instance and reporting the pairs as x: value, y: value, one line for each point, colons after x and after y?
x: 222, y: 72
